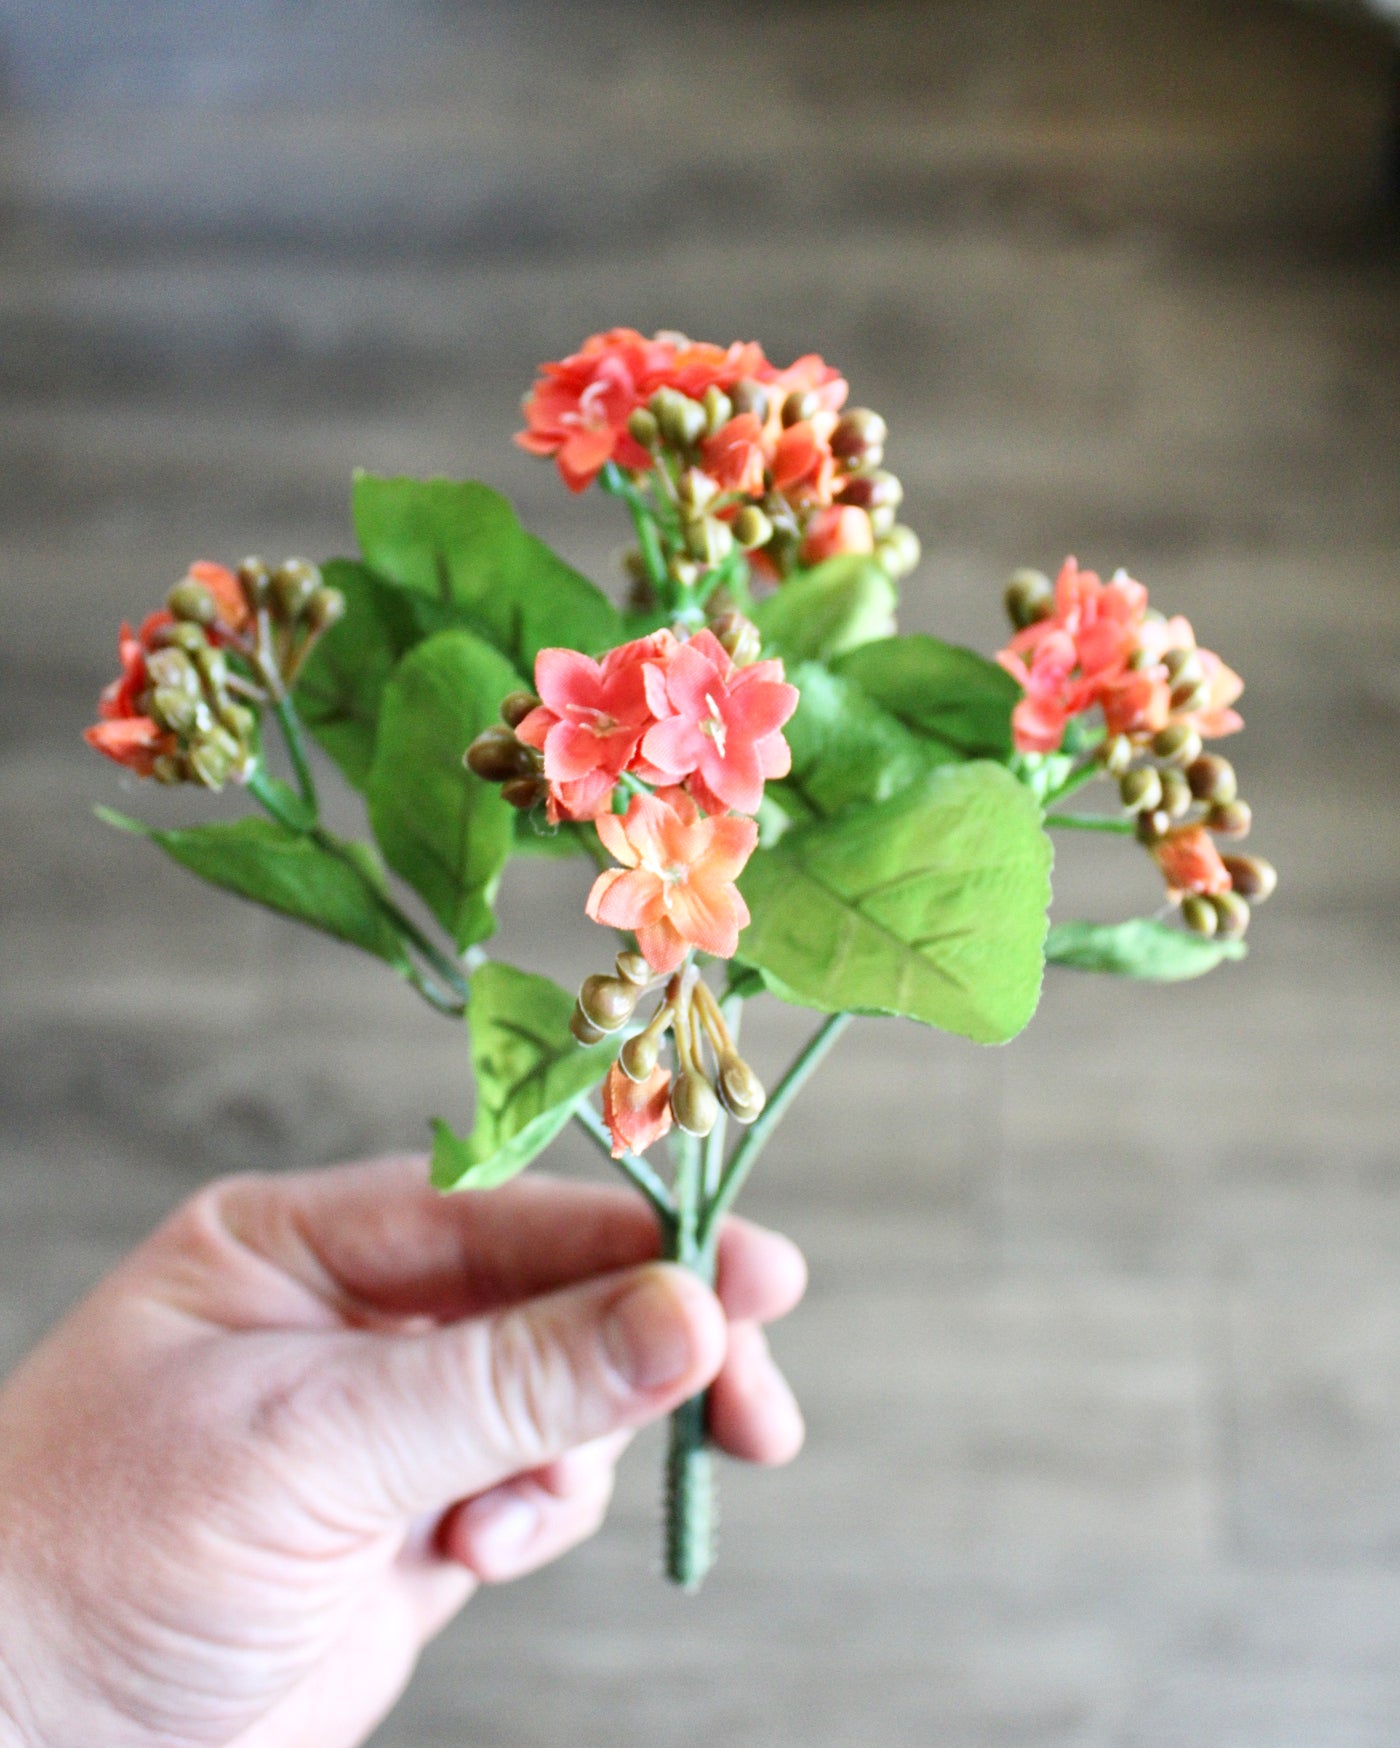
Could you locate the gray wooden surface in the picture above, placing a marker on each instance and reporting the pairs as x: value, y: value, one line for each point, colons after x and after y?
x: 1102, y: 1351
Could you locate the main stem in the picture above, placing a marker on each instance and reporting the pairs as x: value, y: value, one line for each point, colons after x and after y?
x: 690, y: 1478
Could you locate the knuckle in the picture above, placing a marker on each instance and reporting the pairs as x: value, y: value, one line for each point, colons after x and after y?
x: 528, y: 1388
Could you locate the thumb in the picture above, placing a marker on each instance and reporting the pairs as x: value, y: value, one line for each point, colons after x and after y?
x: 411, y: 1423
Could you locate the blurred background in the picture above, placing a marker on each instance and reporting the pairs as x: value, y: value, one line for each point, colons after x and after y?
x: 1102, y: 1351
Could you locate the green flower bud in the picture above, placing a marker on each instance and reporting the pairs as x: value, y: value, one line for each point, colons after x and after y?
x: 684, y: 571
x: 183, y: 636
x: 899, y: 552
x: 1141, y: 790
x: 179, y: 712
x: 1030, y: 596
x: 1183, y: 667
x: 1189, y: 697
x: 253, y: 579
x: 524, y: 792
x: 167, y: 768
x: 1199, y: 915
x: 1233, y: 914
x: 172, y: 670
x: 857, y: 433
x: 325, y: 608
x: 496, y: 755
x: 1178, y: 742
x: 214, y: 757
x: 708, y: 541
x: 583, y: 1029
x: 719, y: 409
x: 751, y: 528
x: 191, y: 600
x: 680, y: 420
x: 740, y: 1090
x: 238, y: 719
x: 633, y: 968
x: 642, y: 427
x: 1230, y: 819
x: 739, y: 637
x: 291, y: 586
x: 607, y: 1002
x: 799, y: 405
x: 695, y: 489
x: 1212, y: 778
x: 638, y: 1056
x: 1152, y: 825
x: 693, y: 1103
x: 1252, y: 877
x: 881, y: 520
x: 1176, y: 793
x: 750, y: 397
x: 874, y: 490
x: 213, y: 668
x: 516, y: 706
x: 1116, y: 754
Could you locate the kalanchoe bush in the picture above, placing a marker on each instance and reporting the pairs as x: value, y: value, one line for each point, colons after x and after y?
x: 779, y: 792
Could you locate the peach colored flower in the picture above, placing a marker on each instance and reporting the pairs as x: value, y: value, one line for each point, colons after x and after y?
x: 125, y: 734
x: 1190, y: 862
x: 636, y: 1112
x: 716, y: 721
x: 675, y: 889
x: 580, y: 406
x: 224, y: 586
x: 734, y: 457
x: 836, y: 529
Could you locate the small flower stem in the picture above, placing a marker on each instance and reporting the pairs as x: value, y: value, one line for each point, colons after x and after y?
x: 1091, y: 822
x: 1076, y: 780
x: 648, y: 540
x: 632, y: 1166
x: 290, y: 724
x: 748, y: 1150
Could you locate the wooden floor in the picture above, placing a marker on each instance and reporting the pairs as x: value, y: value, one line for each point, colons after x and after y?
x: 1102, y: 1351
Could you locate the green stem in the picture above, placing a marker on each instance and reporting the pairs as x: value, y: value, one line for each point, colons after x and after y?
x: 1076, y: 780
x: 690, y: 1478
x: 290, y: 724
x: 1091, y: 822
x: 648, y: 540
x: 633, y: 1166
x: 748, y: 1150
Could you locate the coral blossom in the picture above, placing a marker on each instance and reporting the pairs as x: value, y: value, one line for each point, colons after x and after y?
x: 676, y: 887
x: 719, y: 722
x: 834, y: 530
x: 591, y: 717
x: 636, y: 1112
x: 1190, y: 862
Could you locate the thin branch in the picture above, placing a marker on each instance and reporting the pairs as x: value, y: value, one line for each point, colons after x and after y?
x: 631, y: 1164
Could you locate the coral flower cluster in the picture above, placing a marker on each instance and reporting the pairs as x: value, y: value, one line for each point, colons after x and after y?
x: 1088, y: 645
x: 664, y: 745
x: 179, y: 711
x: 737, y: 452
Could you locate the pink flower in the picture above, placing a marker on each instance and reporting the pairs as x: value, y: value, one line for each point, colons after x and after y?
x: 718, y: 722
x: 590, y: 719
x: 836, y: 529
x: 1190, y: 862
x: 675, y: 889
x: 636, y: 1112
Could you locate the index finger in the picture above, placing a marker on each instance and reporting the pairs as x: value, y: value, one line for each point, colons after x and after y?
x: 375, y: 1239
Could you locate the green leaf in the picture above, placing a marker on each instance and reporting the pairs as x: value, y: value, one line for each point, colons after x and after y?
x: 530, y: 1075
x: 445, y: 831
x: 340, y: 690
x: 1141, y: 948
x: 459, y: 544
x: 938, y: 689
x: 847, y: 749
x: 333, y: 889
x: 819, y: 613
x: 931, y: 905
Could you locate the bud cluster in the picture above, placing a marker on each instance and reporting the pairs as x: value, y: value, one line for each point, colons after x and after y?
x: 642, y: 1098
x: 498, y: 755
x: 181, y: 709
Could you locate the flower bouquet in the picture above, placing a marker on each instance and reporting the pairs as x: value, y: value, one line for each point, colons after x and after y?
x: 780, y: 793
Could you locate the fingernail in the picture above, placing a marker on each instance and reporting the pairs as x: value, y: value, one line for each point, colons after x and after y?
x: 648, y: 1335
x: 501, y: 1527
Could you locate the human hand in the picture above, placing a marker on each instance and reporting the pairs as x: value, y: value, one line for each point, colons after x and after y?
x: 268, y: 1457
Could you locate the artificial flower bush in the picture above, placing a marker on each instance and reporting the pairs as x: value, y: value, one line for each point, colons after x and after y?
x: 780, y: 793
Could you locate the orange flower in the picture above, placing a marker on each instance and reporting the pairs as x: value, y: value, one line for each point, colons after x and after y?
x: 223, y: 585
x: 636, y: 1112
x: 675, y: 889
x: 836, y: 529
x: 1190, y: 862
x: 125, y: 733
x: 734, y: 456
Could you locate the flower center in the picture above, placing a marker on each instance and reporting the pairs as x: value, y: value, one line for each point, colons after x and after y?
x: 713, y: 724
x: 590, y: 717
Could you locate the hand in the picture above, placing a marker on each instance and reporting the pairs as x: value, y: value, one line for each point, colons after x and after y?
x: 279, y: 1447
